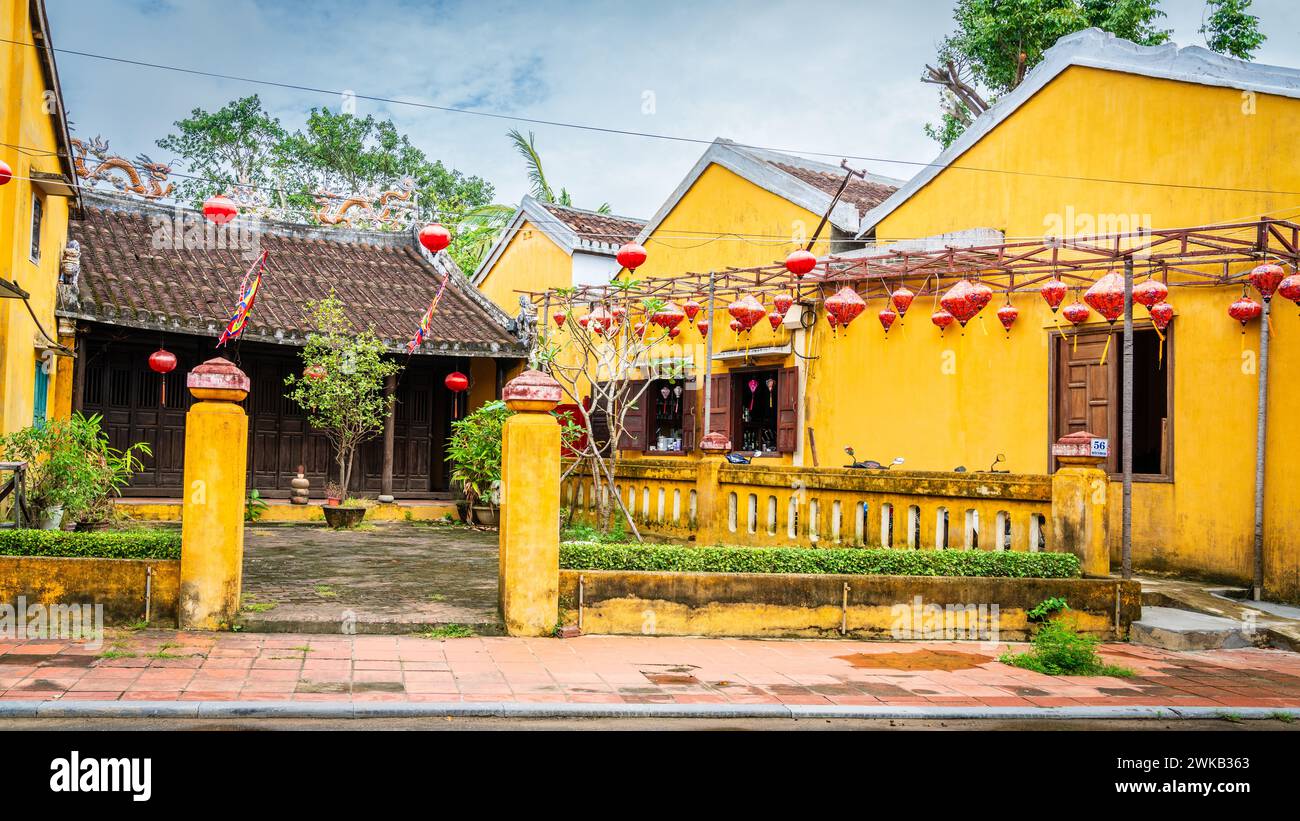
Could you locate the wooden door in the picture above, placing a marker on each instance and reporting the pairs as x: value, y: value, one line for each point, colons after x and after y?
x: 1085, y: 390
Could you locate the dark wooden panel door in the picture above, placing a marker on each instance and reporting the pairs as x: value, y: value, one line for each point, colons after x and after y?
x: 1085, y: 389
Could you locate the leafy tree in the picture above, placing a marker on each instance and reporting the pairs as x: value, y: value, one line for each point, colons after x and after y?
x: 1229, y: 28
x: 237, y: 143
x: 342, y: 384
x: 541, y: 188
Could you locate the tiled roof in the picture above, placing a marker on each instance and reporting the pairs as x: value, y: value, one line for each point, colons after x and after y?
x: 595, y: 227
x: 865, y: 194
x: 383, y: 280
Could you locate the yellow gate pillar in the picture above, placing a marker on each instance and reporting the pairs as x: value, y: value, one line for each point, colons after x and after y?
x: 529, y: 579
x: 1080, y: 495
x: 212, y: 518
x: 710, y: 507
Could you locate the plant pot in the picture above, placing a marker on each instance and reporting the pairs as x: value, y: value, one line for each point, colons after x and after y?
x: 332, y: 502
x: 462, y: 510
x: 50, y: 518
x: 83, y: 527
x: 485, y: 515
x: 339, y: 517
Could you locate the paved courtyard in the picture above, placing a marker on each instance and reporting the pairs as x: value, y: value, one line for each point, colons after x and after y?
x: 158, y: 665
x: 389, y: 577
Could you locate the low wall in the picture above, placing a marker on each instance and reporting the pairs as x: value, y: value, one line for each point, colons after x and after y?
x: 117, y: 584
x: 834, y: 606
x: 283, y: 512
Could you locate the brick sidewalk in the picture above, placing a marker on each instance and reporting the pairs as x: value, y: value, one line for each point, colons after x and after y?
x: 159, y: 665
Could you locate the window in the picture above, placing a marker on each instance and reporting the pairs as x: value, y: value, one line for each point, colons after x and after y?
x: 664, y: 399
x: 41, y: 396
x: 758, y: 409
x: 1087, y: 396
x: 38, y: 208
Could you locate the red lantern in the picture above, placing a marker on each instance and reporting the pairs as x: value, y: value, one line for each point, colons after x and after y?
x: 902, y: 299
x: 316, y: 372
x: 703, y: 327
x: 1290, y: 288
x: 162, y: 362
x: 774, y: 319
x: 942, y: 319
x: 1244, y: 310
x: 800, y: 262
x: 1266, y: 278
x: 434, y: 237
x: 846, y: 305
x: 456, y: 381
x: 559, y: 317
x: 600, y: 320
x: 1076, y: 312
x: 220, y: 209
x: 1053, y: 292
x: 639, y: 330
x: 957, y: 302
x: 668, y: 317
x: 1161, y: 314
x: 691, y: 308
x: 979, y: 295
x: 748, y: 311
x: 673, y: 332
x: 1150, y: 292
x: 6, y: 173
x: 782, y: 303
x: 887, y: 317
x: 583, y: 320
x: 1106, y: 297
x: 619, y: 313
x: 734, y: 325
x: 631, y: 256
x: 1007, y: 316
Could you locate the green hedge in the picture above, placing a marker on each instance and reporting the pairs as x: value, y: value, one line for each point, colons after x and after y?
x: 585, y: 556
x: 109, y: 544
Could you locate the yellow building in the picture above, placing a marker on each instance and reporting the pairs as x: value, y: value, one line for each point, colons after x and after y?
x: 34, y: 209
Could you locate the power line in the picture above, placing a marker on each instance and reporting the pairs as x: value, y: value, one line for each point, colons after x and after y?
x: 630, y: 132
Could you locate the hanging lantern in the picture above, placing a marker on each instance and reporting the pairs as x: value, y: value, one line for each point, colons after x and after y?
x: 583, y: 320
x: 1076, y: 312
x: 315, y: 372
x: 631, y: 256
x: 639, y: 330
x: 434, y: 237
x: 1245, y: 310
x: 162, y: 362
x: 800, y: 262
x: 1106, y: 297
x: 845, y: 305
x: 957, y: 302
x: 619, y: 313
x: 782, y: 303
x: 1007, y: 316
x: 559, y: 317
x: 1150, y: 292
x: 775, y: 319
x: 6, y: 173
x: 979, y: 295
x: 220, y: 209
x: 691, y: 308
x: 1266, y: 278
x: 887, y: 317
x: 1053, y: 293
x: 1161, y: 314
x: 600, y: 320
x: 673, y: 332
x: 1290, y: 288
x: 735, y: 325
x: 748, y: 311
x: 942, y: 319
x: 902, y: 299
x: 703, y: 327
x: 668, y: 317
x: 456, y: 381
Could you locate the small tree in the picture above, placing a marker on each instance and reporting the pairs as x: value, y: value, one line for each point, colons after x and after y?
x: 342, y: 384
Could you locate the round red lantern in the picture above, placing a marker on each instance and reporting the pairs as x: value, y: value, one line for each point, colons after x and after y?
x: 631, y: 256
x: 619, y: 313
x: 583, y: 320
x: 691, y: 308
x: 1266, y: 278
x: 845, y: 306
x: 703, y: 327
x: 942, y: 319
x: 774, y: 319
x: 456, y: 381
x: 673, y: 332
x: 1007, y: 316
x: 747, y: 311
x: 902, y: 299
x: 957, y: 302
x: 1106, y: 297
x: 1150, y: 292
x: 434, y: 237
x: 782, y: 303
x: 162, y: 361
x: 600, y: 320
x: 1161, y: 314
x: 1290, y: 288
x: 887, y: 317
x: 559, y: 317
x: 220, y: 209
x: 6, y: 173
x: 1053, y: 293
x: 1245, y: 310
x: 1076, y: 312
x: 979, y: 295
x: 800, y: 262
x: 734, y: 325
x: 669, y: 316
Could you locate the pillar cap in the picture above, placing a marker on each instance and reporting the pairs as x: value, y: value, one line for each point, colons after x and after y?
x: 1077, y: 449
x: 218, y: 380
x: 715, y: 441
x: 533, y: 391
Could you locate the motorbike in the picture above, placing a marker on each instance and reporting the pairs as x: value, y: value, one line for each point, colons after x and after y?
x: 993, y: 468
x: 869, y: 464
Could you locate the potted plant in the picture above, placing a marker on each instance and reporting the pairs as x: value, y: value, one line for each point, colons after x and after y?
x: 348, y: 514
x: 333, y: 494
x: 474, y: 451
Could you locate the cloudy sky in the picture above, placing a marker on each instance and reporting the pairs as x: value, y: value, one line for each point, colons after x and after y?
x: 835, y: 77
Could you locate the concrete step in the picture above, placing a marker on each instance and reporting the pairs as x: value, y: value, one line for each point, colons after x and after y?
x: 1172, y: 629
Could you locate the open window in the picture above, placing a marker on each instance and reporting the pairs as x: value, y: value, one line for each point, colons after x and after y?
x: 663, y: 418
x: 758, y: 409
x: 1086, y: 395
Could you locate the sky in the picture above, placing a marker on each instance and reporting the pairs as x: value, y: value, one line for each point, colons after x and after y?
x: 834, y: 77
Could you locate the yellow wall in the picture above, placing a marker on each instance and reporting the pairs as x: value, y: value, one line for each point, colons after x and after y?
x: 531, y: 261
x: 24, y: 122
x: 1089, y: 123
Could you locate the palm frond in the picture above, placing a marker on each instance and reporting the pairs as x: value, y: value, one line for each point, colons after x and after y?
x: 527, y: 149
x: 604, y: 209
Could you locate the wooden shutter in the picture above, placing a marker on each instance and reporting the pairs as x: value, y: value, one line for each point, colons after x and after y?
x: 633, y: 435
x: 720, y: 405
x: 1086, y: 398
x: 599, y: 425
x: 787, y: 410
x: 689, y: 420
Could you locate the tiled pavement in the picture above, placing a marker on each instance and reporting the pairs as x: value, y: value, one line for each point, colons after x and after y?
x: 157, y: 665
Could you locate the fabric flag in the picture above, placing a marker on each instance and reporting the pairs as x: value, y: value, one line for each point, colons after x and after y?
x: 418, y: 339
x: 248, y: 289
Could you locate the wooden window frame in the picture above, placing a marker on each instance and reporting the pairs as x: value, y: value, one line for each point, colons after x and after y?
x: 1165, y: 477
x: 781, y: 371
x: 36, y: 228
